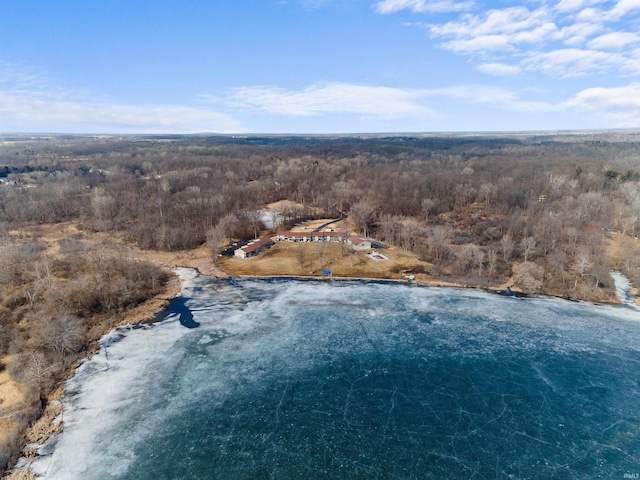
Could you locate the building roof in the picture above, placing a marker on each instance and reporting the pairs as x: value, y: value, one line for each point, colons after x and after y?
x: 257, y: 244
x: 312, y: 234
x: 355, y: 240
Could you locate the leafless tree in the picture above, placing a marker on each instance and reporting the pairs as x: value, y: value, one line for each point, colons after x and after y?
x: 229, y: 224
x: 104, y: 209
x: 465, y: 193
x: 410, y: 234
x: 600, y: 274
x: 557, y: 262
x: 506, y: 245
x: 215, y: 239
x: 573, y: 185
x: 588, y: 205
x: 630, y: 224
x: 439, y: 238
x: 31, y: 368
x: 427, y: 207
x: 492, y: 261
x: 528, y: 245
x: 37, y: 369
x: 582, y: 263
x: 464, y: 259
x: 547, y: 232
x: 479, y: 259
x: 254, y: 220
x: 556, y: 181
x: 363, y: 213
x: 43, y: 273
x: 572, y: 234
x: 487, y: 192
x: 276, y: 219
x: 344, y: 193
x: 389, y: 227
x: 622, y: 211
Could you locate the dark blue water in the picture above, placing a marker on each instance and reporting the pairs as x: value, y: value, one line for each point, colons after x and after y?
x: 287, y: 379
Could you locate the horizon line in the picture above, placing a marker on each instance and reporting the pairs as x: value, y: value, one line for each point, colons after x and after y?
x: 569, y: 131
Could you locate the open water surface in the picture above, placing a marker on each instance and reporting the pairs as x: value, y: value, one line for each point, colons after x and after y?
x: 285, y: 379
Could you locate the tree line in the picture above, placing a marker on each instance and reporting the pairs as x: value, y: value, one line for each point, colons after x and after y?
x: 471, y: 205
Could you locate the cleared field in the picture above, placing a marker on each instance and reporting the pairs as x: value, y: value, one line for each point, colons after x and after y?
x: 309, y: 259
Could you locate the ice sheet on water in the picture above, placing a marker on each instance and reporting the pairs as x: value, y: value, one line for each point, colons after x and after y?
x: 118, y: 379
x: 270, y: 218
x: 329, y: 379
x: 623, y: 288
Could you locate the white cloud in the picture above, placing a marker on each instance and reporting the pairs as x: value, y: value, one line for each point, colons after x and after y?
x: 495, y: 97
x: 591, y: 15
x: 621, y: 11
x: 422, y: 6
x: 499, y: 69
x: 570, y: 5
x: 614, y: 40
x: 376, y: 102
x: 39, y: 113
x: 578, y: 33
x: 623, y: 7
x: 508, y: 20
x: 626, y: 98
x: 496, y: 30
x: 615, y: 107
x: 28, y: 103
x: 631, y: 64
x: 559, y: 38
x: 480, y: 44
x: 475, y: 94
x: 572, y: 62
x: 341, y: 98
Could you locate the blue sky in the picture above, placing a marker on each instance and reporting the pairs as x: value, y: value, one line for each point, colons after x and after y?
x: 318, y: 66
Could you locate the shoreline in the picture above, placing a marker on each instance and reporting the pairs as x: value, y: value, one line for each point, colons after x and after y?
x: 149, y: 312
x: 502, y: 289
x: 51, y: 421
x: 314, y: 295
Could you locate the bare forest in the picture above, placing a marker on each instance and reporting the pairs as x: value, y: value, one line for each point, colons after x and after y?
x: 549, y: 214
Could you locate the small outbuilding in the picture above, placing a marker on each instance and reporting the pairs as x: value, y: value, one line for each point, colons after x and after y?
x: 359, y: 243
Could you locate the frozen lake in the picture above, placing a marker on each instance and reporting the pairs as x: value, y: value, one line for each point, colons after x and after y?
x: 286, y: 379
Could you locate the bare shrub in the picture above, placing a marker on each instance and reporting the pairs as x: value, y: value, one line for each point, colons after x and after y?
x: 60, y: 335
x: 528, y: 276
x: 21, y: 474
x: 34, y: 369
x: 46, y: 425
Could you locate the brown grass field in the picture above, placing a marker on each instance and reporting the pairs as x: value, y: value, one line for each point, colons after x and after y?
x: 309, y: 259
x: 10, y: 398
